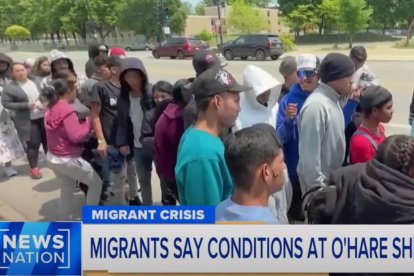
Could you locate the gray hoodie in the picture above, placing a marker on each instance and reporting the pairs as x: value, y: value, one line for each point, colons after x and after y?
x: 321, y: 137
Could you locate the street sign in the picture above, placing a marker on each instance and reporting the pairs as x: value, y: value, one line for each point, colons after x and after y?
x: 167, y: 30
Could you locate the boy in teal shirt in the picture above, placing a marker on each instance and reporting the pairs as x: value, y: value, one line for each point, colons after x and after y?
x: 201, y: 171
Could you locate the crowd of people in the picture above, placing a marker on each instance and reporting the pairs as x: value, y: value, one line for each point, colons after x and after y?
x: 213, y: 141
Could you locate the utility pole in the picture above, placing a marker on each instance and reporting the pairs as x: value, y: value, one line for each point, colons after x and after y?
x: 219, y: 2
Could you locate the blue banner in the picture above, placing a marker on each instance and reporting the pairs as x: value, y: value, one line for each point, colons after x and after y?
x: 148, y: 215
x: 40, y: 248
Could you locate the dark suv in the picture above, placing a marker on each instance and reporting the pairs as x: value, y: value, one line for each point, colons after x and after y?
x: 180, y: 47
x: 260, y: 46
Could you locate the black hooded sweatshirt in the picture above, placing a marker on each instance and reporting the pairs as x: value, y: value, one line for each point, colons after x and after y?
x: 124, y: 132
x: 365, y: 193
x: 5, y: 75
x: 93, y: 52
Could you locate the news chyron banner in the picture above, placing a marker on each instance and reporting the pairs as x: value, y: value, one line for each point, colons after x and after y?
x: 143, y: 240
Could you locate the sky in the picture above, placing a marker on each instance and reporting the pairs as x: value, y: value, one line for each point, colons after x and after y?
x: 193, y: 2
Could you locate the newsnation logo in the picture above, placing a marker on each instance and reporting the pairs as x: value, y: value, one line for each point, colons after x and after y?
x: 40, y: 248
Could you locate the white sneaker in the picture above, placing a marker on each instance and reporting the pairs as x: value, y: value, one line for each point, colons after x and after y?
x: 10, y: 171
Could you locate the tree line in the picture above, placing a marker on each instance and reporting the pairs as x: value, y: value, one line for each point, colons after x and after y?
x: 58, y: 19
x: 351, y: 16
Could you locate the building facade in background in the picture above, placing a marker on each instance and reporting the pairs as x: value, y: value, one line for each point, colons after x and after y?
x: 209, y: 21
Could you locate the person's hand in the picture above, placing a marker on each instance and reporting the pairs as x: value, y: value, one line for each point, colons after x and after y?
x: 39, y: 105
x: 124, y: 150
x: 102, y: 146
x: 31, y: 105
x: 291, y: 111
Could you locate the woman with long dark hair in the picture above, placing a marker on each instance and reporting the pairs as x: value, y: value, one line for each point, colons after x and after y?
x: 22, y: 96
x: 65, y: 138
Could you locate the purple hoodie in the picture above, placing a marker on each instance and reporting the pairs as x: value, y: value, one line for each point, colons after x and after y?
x: 168, y: 131
x: 63, y: 131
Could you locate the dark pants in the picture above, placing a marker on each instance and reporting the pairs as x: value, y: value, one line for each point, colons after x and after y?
x: 295, y: 211
x: 143, y: 163
x: 37, y: 137
x: 169, y: 192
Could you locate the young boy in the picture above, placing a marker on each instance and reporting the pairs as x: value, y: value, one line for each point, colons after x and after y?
x: 376, y: 106
x: 254, y: 157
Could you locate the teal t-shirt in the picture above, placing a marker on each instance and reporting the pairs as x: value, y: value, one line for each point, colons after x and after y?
x: 201, y: 171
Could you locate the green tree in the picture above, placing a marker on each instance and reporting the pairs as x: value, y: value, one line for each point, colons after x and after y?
x: 188, y: 8
x: 355, y: 15
x: 199, y: 8
x: 327, y: 13
x: 287, y: 6
x: 205, y: 35
x: 177, y: 15
x: 16, y: 32
x: 146, y: 11
x: 405, y: 15
x: 383, y: 14
x: 77, y: 16
x: 105, y: 14
x: 9, y: 14
x: 302, y: 18
x: 255, y: 3
x: 245, y: 19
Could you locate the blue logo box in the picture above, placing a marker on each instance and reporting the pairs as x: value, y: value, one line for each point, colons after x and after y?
x: 40, y: 248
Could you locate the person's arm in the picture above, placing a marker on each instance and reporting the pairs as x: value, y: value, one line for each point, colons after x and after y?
x: 96, y: 106
x: 410, y: 118
x: 201, y: 179
x: 8, y: 102
x: 311, y: 134
x: 361, y: 150
x: 284, y: 126
x: 348, y: 110
x: 147, y: 130
x: 76, y: 132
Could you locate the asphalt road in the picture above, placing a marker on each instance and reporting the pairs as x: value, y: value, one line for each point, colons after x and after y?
x: 24, y: 199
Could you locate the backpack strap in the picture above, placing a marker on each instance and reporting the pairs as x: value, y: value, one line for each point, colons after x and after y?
x: 371, y: 140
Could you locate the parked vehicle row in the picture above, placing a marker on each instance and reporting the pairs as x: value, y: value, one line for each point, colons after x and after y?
x: 260, y: 46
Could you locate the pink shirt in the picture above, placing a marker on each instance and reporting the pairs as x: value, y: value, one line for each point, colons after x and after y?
x: 64, y: 133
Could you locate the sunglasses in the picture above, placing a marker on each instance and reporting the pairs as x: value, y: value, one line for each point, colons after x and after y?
x: 302, y: 74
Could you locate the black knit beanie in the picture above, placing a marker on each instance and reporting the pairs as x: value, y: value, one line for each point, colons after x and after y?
x: 336, y: 66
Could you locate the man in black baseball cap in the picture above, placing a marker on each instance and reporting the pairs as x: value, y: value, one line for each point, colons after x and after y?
x: 202, y: 61
x: 205, y: 59
x: 201, y: 171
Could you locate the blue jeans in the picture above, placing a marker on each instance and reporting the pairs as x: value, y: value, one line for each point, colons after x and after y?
x: 143, y: 163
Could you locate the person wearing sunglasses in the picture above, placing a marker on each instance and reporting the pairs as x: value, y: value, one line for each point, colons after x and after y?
x: 254, y: 157
x: 287, y: 128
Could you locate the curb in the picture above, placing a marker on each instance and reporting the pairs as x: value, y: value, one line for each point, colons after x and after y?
x: 7, y: 213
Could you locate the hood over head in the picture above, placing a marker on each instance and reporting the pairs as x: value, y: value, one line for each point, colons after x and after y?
x: 252, y: 112
x: 93, y: 50
x: 9, y: 61
x: 57, y: 114
x: 56, y: 55
x: 127, y: 64
x: 260, y: 81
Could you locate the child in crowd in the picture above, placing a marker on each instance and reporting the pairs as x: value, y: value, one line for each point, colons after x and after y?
x: 254, y: 157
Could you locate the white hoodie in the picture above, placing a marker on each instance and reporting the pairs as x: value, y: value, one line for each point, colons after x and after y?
x: 252, y: 112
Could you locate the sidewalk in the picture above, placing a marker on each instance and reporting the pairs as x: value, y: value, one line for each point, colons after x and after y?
x: 377, y: 51
x: 25, y: 199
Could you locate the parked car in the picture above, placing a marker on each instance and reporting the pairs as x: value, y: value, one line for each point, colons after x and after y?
x: 260, y: 46
x: 180, y: 47
x: 139, y: 46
